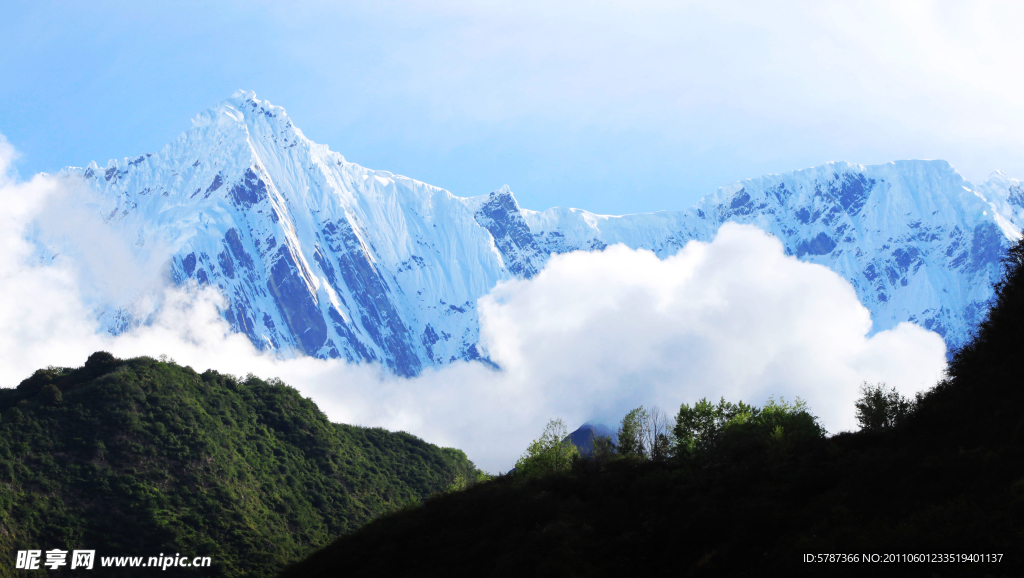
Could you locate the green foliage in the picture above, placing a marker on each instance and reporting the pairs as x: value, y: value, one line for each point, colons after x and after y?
x: 881, y: 408
x: 603, y: 449
x: 699, y: 429
x: 630, y: 434
x: 549, y: 454
x: 725, y: 430
x: 50, y: 395
x: 643, y: 433
x: 139, y: 457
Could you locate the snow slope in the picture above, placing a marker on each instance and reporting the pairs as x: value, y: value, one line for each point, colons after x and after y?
x: 324, y: 257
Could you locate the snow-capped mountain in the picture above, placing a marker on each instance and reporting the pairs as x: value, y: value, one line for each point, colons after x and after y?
x: 333, y: 259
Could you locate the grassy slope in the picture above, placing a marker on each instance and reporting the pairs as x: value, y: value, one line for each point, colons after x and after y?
x: 142, y: 457
x: 949, y: 480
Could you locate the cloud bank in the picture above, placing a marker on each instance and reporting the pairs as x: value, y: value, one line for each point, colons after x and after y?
x: 592, y: 336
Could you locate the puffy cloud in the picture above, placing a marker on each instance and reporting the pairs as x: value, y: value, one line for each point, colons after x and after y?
x: 735, y: 317
x: 591, y: 336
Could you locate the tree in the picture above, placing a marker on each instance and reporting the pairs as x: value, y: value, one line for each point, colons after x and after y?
x: 736, y: 429
x: 551, y: 453
x: 654, y: 433
x: 644, y: 433
x: 630, y: 434
x: 603, y: 449
x: 699, y: 428
x: 881, y: 407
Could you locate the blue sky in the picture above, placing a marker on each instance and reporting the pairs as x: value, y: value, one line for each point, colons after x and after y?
x: 611, y: 106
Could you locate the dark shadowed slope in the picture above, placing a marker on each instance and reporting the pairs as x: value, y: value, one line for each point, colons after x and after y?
x: 140, y: 457
x: 947, y: 480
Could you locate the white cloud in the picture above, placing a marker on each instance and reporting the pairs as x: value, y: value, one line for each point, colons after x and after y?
x: 735, y: 317
x: 593, y: 335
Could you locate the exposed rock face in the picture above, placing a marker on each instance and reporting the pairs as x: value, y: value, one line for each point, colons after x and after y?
x: 917, y: 242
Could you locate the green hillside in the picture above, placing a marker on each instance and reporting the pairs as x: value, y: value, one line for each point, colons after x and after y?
x: 944, y: 477
x: 141, y: 457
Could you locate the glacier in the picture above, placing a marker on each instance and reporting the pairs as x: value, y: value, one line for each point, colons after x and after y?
x: 322, y: 257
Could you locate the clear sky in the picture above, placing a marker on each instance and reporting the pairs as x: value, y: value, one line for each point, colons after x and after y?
x: 614, y: 107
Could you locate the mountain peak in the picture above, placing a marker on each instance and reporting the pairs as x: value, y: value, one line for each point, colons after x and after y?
x: 242, y: 107
x: 242, y: 95
x: 334, y: 260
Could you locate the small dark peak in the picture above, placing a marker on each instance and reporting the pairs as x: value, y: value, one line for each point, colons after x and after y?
x: 89, y: 173
x: 196, y: 164
x: 110, y: 173
x: 136, y: 161
x: 501, y: 216
x: 584, y: 436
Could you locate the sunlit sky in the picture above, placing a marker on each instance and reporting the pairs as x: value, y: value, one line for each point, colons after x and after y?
x: 615, y: 107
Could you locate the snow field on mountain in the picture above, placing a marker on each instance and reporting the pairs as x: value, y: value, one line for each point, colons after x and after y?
x: 590, y: 335
x: 318, y: 256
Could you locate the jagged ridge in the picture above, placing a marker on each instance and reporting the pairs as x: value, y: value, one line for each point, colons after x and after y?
x: 331, y: 259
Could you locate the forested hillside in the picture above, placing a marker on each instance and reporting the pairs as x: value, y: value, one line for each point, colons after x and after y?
x: 932, y: 486
x: 141, y: 457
